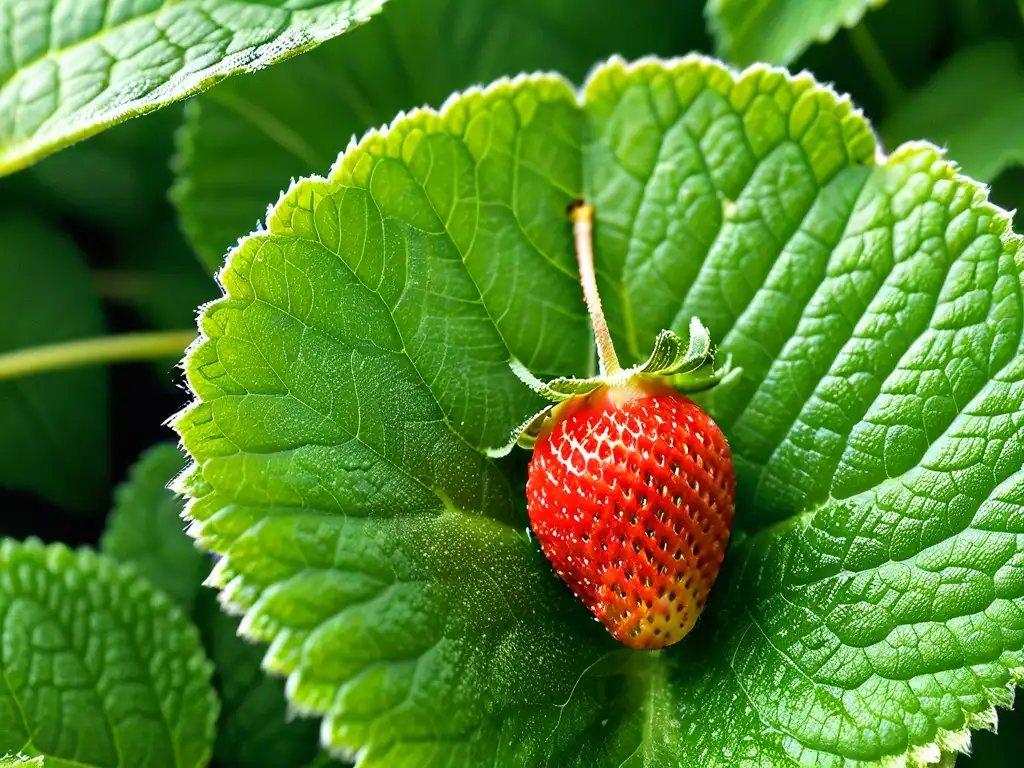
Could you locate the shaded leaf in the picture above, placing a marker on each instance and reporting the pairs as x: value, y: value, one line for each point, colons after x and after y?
x: 158, y: 276
x: 98, y: 668
x: 255, y: 729
x: 145, y: 529
x: 118, y: 179
x: 974, y: 106
x: 243, y: 142
x: 53, y: 427
x: 778, y: 31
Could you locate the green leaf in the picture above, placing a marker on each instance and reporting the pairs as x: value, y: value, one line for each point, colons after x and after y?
x: 998, y: 749
x: 871, y: 609
x: 118, y: 179
x: 974, y: 105
x: 158, y: 276
x: 244, y: 141
x: 778, y: 31
x: 255, y: 729
x: 53, y: 427
x: 97, y: 667
x: 23, y: 761
x: 146, y: 530
x: 68, y: 71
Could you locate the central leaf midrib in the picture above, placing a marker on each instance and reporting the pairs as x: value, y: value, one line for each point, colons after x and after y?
x: 469, y: 275
x: 450, y: 239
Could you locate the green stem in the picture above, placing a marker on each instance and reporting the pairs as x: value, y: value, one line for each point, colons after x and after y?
x: 583, y: 234
x: 127, y: 347
x: 871, y: 55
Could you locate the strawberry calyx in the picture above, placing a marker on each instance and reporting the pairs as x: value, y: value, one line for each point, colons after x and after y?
x: 688, y: 367
x: 674, y: 365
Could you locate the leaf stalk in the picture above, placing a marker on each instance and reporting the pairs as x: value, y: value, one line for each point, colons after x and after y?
x: 126, y: 347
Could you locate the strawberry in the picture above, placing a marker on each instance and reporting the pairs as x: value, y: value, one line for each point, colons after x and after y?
x: 631, y: 486
x: 630, y: 495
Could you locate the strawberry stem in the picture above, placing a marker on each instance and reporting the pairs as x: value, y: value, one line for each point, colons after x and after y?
x: 583, y: 233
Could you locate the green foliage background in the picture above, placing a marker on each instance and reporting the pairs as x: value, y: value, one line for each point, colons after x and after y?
x: 122, y: 233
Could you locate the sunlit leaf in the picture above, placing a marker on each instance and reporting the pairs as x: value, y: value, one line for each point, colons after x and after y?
x: 69, y: 70
x: 871, y: 609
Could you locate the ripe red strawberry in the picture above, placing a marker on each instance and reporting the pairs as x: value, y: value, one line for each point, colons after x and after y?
x: 631, y: 486
x: 630, y: 495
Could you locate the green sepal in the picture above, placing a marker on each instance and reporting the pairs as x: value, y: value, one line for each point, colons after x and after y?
x: 557, y: 390
x: 706, y: 377
x: 688, y: 367
x: 525, y: 435
x: 671, y: 358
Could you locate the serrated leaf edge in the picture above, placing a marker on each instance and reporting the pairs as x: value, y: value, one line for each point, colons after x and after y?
x: 958, y: 742
x: 221, y: 577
